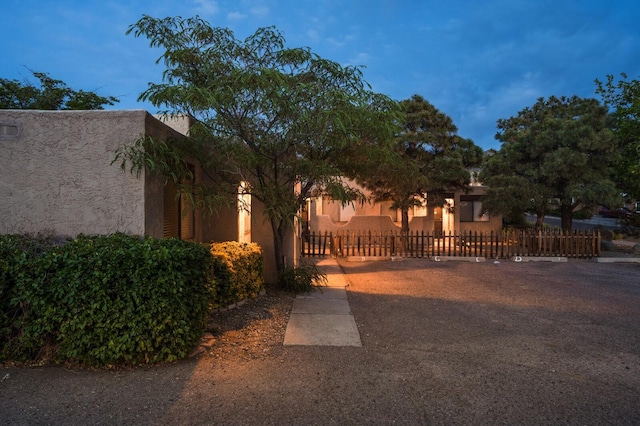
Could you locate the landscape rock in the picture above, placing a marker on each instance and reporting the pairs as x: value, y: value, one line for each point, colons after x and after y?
x: 607, y: 245
x: 606, y: 235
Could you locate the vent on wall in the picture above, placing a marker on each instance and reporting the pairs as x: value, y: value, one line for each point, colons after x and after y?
x: 9, y: 131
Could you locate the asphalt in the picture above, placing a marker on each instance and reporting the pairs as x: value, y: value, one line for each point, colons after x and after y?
x: 324, y: 318
x: 442, y: 343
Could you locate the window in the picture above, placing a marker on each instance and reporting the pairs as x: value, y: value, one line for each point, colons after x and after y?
x: 421, y: 209
x: 244, y: 213
x: 9, y: 131
x: 179, y: 215
x: 471, y: 209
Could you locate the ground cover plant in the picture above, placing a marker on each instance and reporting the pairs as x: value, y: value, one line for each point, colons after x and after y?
x: 304, y: 278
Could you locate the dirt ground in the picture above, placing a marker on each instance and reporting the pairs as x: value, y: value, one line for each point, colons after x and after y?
x: 443, y: 343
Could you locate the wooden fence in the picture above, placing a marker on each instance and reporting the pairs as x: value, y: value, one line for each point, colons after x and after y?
x: 493, y: 245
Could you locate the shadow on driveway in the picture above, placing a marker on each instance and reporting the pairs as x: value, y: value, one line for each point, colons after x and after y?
x: 443, y: 343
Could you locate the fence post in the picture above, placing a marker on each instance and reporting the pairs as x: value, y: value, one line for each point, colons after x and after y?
x: 490, y: 246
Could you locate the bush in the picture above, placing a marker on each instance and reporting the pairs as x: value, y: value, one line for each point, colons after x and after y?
x: 239, y: 270
x: 304, y: 278
x: 584, y: 213
x: 630, y: 225
x: 17, y: 253
x: 112, y: 300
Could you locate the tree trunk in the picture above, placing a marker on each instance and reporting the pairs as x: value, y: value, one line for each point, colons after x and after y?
x: 278, y: 244
x: 405, y: 222
x: 404, y: 231
x: 540, y: 213
x: 566, y: 217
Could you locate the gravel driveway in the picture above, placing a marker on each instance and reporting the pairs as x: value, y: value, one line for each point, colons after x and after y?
x: 443, y: 343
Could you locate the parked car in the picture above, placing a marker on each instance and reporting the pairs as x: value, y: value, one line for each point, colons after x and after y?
x: 615, y: 213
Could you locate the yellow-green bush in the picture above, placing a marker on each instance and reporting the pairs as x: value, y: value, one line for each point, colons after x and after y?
x: 239, y: 271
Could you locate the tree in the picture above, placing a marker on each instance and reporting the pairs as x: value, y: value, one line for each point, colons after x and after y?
x: 623, y: 97
x: 561, y: 149
x: 50, y: 95
x: 281, y: 120
x: 429, y: 158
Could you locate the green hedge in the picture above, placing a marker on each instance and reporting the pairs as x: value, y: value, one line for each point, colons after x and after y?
x: 239, y: 268
x: 17, y: 256
x: 105, y: 300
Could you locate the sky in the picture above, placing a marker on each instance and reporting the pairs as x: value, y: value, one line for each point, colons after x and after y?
x: 476, y: 61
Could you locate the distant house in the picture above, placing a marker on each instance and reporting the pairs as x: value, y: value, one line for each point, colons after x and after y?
x: 462, y: 215
x: 56, y: 177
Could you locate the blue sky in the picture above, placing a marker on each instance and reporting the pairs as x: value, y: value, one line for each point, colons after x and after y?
x: 477, y: 61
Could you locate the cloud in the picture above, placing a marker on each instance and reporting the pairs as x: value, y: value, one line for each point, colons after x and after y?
x: 206, y: 7
x: 235, y: 16
x: 361, y: 58
x: 335, y: 43
x: 313, y: 35
x: 259, y: 11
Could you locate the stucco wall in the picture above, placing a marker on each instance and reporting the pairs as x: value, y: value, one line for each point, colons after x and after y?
x: 355, y: 224
x: 495, y: 221
x: 56, y: 174
x: 324, y: 217
x: 221, y: 225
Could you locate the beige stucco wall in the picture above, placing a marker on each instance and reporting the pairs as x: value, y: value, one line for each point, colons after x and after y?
x: 495, y: 221
x: 379, y: 217
x: 56, y: 174
x: 180, y: 123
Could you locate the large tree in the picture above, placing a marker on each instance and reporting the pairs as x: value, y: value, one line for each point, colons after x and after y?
x: 561, y: 149
x: 623, y: 99
x: 48, y: 94
x: 281, y: 120
x: 429, y: 159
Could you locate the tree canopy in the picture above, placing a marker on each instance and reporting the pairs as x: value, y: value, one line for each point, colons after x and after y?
x: 428, y: 159
x: 48, y: 94
x: 558, y: 149
x: 623, y: 98
x: 281, y: 120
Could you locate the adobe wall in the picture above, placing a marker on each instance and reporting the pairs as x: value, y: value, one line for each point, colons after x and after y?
x: 356, y: 223
x: 56, y: 174
x: 421, y: 223
x: 494, y: 224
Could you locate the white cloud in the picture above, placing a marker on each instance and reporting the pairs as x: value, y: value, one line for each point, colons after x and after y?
x: 335, y: 43
x: 259, y: 11
x: 235, y: 16
x: 207, y: 7
x: 313, y: 35
x: 361, y: 58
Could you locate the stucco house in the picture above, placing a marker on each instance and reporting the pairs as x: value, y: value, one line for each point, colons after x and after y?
x: 462, y: 215
x: 57, y: 177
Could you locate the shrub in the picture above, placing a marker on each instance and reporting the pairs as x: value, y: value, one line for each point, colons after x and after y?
x: 630, y: 224
x: 303, y: 278
x: 239, y: 270
x: 17, y: 253
x: 113, y: 300
x: 583, y: 213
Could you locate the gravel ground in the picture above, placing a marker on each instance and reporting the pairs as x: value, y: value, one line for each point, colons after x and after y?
x: 443, y: 343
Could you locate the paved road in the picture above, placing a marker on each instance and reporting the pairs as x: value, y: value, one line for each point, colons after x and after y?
x: 581, y: 224
x: 443, y: 343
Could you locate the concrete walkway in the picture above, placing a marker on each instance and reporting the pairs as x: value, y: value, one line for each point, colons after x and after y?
x: 323, y: 317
